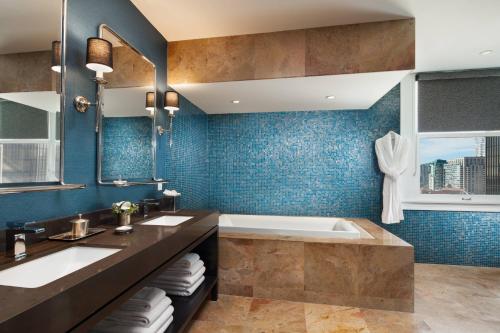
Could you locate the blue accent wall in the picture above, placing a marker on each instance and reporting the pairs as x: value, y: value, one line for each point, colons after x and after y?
x: 80, y: 137
x: 127, y: 151
x: 324, y: 163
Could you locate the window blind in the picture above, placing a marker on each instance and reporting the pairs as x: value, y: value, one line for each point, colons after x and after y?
x: 459, y: 101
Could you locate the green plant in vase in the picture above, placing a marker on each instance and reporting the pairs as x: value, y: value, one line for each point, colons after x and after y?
x: 123, y: 210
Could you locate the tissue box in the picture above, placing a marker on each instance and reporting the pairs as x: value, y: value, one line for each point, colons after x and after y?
x: 169, y: 204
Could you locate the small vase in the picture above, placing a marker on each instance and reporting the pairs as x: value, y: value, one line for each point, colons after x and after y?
x: 124, y: 219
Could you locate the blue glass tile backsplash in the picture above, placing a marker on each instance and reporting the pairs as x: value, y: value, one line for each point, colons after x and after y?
x: 323, y: 163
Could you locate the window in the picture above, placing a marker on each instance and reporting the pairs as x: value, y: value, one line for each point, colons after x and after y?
x: 29, y: 140
x: 459, y: 165
x: 453, y: 122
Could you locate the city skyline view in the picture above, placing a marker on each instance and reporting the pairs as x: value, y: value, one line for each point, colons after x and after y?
x: 460, y: 165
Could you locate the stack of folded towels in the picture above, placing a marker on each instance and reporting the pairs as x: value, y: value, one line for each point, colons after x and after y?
x: 148, y: 311
x: 183, y: 277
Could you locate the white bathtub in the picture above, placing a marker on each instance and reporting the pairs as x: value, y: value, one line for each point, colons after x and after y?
x: 306, y: 226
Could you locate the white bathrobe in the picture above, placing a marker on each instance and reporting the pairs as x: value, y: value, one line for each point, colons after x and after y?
x: 392, y: 152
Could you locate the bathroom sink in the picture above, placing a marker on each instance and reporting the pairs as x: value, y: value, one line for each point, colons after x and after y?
x: 39, y: 272
x: 168, y: 221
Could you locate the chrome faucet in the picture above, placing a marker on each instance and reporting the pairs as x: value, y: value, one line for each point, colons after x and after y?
x: 15, y: 240
x: 146, y: 204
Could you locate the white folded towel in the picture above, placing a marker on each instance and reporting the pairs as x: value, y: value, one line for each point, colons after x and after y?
x: 166, y: 325
x: 141, y: 318
x: 171, y: 193
x: 144, y: 300
x: 181, y: 271
x: 179, y: 291
x: 181, y: 281
x: 109, y: 326
x: 187, y: 261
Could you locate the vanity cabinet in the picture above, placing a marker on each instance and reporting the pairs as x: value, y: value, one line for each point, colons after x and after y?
x: 79, y: 300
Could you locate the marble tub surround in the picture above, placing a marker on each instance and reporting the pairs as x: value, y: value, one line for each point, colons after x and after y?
x: 373, y: 273
x: 448, y: 299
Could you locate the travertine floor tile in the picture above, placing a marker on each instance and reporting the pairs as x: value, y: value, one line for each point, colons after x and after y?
x: 449, y: 299
x: 200, y: 326
x: 321, y: 318
x: 279, y: 316
x: 379, y: 321
x: 228, y: 310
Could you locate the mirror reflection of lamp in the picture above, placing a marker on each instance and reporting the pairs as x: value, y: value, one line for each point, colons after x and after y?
x: 56, y: 56
x: 150, y: 103
x: 170, y: 103
x: 100, y: 60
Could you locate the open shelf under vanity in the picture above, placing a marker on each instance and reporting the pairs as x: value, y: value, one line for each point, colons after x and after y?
x: 186, y: 307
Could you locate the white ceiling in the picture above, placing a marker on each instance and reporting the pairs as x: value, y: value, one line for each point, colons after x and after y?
x: 125, y: 102
x: 352, y: 91
x: 44, y: 100
x: 29, y: 25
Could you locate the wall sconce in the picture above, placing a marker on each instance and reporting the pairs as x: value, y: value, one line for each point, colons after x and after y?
x: 150, y: 103
x: 56, y: 56
x: 170, y: 103
x: 100, y: 60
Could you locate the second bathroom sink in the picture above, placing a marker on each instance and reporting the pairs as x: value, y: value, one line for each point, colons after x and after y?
x: 168, y: 221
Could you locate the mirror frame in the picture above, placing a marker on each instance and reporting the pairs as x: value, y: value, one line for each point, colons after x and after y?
x: 60, y: 184
x: 99, y: 127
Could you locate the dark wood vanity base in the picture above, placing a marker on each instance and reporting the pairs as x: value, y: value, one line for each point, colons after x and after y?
x: 79, y: 300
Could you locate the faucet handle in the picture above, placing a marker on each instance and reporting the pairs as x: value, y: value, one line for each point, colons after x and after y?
x: 25, y: 228
x: 16, y: 239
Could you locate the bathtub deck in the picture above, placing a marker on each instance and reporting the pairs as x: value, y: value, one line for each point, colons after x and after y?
x: 380, y: 236
x: 373, y: 273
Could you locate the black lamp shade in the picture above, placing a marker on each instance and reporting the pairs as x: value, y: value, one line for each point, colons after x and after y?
x: 150, y: 101
x: 99, y: 55
x: 171, y: 101
x: 56, y: 56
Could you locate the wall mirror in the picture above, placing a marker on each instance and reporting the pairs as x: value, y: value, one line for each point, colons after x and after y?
x: 31, y: 143
x: 127, y: 138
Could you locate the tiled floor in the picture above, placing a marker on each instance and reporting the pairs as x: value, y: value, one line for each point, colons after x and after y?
x: 449, y: 299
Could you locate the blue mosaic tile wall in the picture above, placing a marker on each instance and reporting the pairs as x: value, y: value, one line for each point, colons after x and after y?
x: 299, y: 163
x: 324, y: 163
x: 127, y: 149
x: 456, y: 238
x: 186, y: 162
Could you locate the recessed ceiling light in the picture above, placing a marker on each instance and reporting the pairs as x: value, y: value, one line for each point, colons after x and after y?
x: 486, y: 52
x: 235, y: 101
x: 330, y: 97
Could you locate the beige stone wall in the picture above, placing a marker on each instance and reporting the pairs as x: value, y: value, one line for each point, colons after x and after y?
x: 30, y: 71
x: 130, y: 70
x: 345, y: 49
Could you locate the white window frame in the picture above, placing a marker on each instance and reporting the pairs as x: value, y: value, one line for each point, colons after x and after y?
x: 411, y: 197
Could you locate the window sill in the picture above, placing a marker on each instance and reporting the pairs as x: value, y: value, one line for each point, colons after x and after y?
x: 448, y: 206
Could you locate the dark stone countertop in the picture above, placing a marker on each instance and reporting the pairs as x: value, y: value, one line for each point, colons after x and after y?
x: 64, y: 303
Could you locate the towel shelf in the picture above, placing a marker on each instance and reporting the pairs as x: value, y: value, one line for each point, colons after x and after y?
x: 186, y: 307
